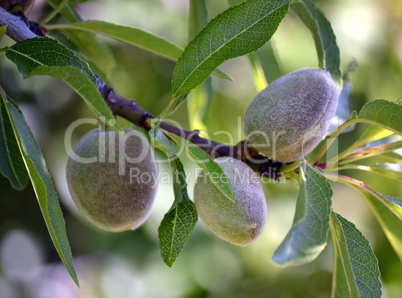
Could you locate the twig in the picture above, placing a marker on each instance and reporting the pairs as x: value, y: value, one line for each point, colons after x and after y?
x: 130, y: 110
x: 18, y: 29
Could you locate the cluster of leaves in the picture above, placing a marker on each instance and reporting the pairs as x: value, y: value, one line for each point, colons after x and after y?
x: 239, y: 30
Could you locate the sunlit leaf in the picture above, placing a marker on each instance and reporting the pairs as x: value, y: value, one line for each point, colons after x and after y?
x: 389, y: 170
x: 383, y: 113
x: 308, y: 235
x: 46, y: 56
x: 373, y: 151
x: 42, y: 184
x: 355, y: 272
x: 133, y: 36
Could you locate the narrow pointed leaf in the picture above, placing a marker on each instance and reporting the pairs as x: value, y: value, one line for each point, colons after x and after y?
x: 200, y: 100
x: 323, y: 35
x: 46, y: 56
x: 161, y: 142
x: 129, y: 35
x: 269, y: 62
x: 42, y: 184
x: 198, y: 17
x: 373, y: 133
x: 308, y: 235
x: 61, y: 6
x: 356, y: 272
x: 237, y: 31
x: 205, y: 162
x: 388, y: 211
x: 389, y: 170
x: 11, y: 163
x: 133, y: 36
x: 96, y: 52
x: 373, y: 151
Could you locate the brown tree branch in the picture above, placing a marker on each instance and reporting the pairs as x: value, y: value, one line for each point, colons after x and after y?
x: 130, y: 110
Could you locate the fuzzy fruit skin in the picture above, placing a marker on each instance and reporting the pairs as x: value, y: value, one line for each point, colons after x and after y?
x: 288, y: 119
x: 17, y: 5
x: 239, y: 222
x: 111, y: 201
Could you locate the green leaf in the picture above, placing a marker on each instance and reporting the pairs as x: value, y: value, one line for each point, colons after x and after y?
x: 201, y: 99
x: 179, y: 222
x: 388, y: 211
x: 395, y: 157
x: 237, y: 31
x: 210, y: 167
x: 308, y: 235
x: 382, y: 113
x: 324, y: 37
x: 175, y: 229
x: 42, y: 184
x: 179, y: 175
x: 46, y: 56
x: 61, y: 6
x: 269, y: 62
x: 129, y: 35
x: 356, y: 272
x: 11, y: 163
x: 88, y: 43
x: 389, y: 170
x: 373, y: 133
x: 133, y: 36
x: 3, y: 30
x: 94, y: 50
x: 162, y: 142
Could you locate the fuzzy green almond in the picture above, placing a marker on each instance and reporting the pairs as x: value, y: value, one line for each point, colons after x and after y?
x: 112, y: 179
x: 288, y: 119
x: 239, y: 222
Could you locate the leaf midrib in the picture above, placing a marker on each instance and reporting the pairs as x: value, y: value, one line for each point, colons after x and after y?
x: 27, y: 56
x: 173, y: 233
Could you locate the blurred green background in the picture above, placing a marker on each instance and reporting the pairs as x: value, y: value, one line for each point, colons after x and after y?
x: 129, y: 264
